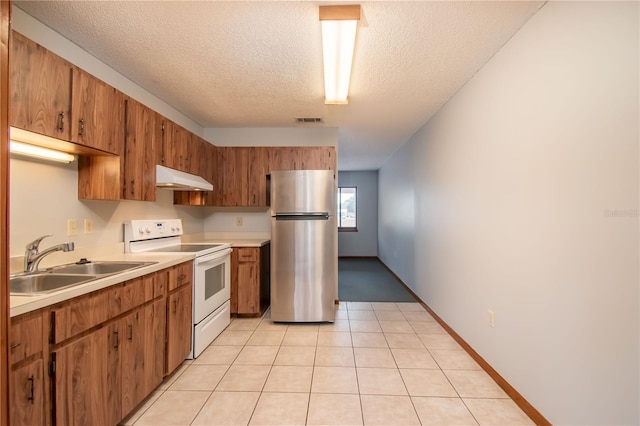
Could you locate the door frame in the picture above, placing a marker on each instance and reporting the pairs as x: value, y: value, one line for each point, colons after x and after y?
x: 5, y: 11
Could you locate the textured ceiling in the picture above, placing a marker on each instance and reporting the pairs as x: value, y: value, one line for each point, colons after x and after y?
x: 259, y: 64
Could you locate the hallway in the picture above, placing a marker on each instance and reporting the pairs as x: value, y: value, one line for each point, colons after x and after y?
x: 368, y: 280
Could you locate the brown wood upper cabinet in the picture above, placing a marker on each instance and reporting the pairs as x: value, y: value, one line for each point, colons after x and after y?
x: 241, y: 179
x: 40, y: 87
x: 97, y: 112
x: 177, y: 143
x: 143, y: 135
x: 302, y: 158
x: 52, y: 97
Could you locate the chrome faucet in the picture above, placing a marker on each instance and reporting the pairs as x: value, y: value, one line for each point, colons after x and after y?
x: 32, y: 256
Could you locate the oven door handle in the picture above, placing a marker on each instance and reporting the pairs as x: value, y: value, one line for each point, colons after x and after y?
x: 213, y: 256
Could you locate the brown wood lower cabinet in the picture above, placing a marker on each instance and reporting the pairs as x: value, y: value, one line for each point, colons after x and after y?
x: 27, y: 394
x: 250, y: 286
x: 140, y: 357
x: 179, y: 327
x: 27, y: 380
x: 86, y: 382
x: 109, y: 350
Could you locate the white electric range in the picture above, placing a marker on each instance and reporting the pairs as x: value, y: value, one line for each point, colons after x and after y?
x: 211, y: 273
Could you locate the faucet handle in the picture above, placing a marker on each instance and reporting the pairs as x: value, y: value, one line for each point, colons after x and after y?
x: 33, y: 245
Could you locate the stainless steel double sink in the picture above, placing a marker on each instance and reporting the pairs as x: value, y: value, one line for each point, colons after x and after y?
x: 63, y: 276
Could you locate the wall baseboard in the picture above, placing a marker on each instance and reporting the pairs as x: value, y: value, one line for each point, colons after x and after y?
x: 520, y: 401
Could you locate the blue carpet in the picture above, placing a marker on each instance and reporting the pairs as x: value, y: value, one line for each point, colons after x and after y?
x: 367, y: 280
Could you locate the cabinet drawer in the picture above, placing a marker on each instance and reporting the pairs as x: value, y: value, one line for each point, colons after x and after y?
x: 84, y: 312
x: 25, y: 337
x: 180, y: 275
x: 247, y: 254
x: 126, y: 296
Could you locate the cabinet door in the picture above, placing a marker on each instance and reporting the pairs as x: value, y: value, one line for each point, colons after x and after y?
x: 258, y: 158
x: 155, y: 316
x: 318, y: 158
x: 248, y: 281
x: 98, y: 114
x: 208, y: 164
x: 179, y: 327
x: 132, y: 360
x: 86, y: 384
x: 233, y: 175
x: 176, y: 147
x: 40, y: 88
x: 27, y: 395
x: 166, y: 132
x: 140, y: 154
x: 285, y: 158
x: 142, y: 356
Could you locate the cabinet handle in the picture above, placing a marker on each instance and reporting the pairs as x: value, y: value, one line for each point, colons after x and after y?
x: 117, y: 340
x: 14, y: 346
x: 181, y: 277
x: 31, y: 385
x: 133, y: 186
x: 175, y: 305
x: 81, y: 129
x: 61, y: 121
x: 130, y: 332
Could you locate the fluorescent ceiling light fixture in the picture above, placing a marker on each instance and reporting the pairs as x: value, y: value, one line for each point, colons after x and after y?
x: 339, y: 24
x: 39, y: 152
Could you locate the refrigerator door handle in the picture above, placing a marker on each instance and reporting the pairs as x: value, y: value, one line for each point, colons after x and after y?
x: 302, y: 216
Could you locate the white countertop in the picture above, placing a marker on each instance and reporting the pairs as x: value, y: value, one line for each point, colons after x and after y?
x: 23, y: 304
x: 240, y: 242
x: 236, y: 239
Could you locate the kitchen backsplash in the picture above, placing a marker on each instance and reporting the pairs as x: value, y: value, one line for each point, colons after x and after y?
x: 43, y: 197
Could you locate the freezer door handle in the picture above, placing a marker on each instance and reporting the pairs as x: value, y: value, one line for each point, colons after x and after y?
x: 302, y: 216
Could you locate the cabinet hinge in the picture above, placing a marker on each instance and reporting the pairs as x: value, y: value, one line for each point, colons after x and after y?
x: 52, y: 368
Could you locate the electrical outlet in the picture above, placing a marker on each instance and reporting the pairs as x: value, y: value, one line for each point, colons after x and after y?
x: 490, y: 318
x: 238, y: 220
x: 88, y: 226
x: 72, y: 227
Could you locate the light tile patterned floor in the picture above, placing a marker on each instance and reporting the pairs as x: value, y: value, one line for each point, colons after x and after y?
x: 378, y: 364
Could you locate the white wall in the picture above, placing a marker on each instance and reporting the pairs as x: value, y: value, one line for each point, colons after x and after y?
x: 365, y: 241
x: 272, y: 136
x: 521, y: 196
x: 224, y: 220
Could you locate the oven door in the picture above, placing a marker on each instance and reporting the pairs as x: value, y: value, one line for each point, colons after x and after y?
x: 211, y: 283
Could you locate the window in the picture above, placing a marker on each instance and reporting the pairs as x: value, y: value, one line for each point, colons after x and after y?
x: 347, y: 201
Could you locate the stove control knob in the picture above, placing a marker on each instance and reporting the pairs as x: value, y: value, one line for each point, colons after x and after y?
x: 147, y: 230
x: 140, y: 231
x: 173, y: 229
x: 177, y: 229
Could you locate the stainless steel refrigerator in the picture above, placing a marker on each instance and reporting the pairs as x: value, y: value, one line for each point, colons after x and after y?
x: 304, y: 246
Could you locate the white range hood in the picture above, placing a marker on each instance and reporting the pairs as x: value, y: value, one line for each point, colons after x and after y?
x: 180, y: 181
